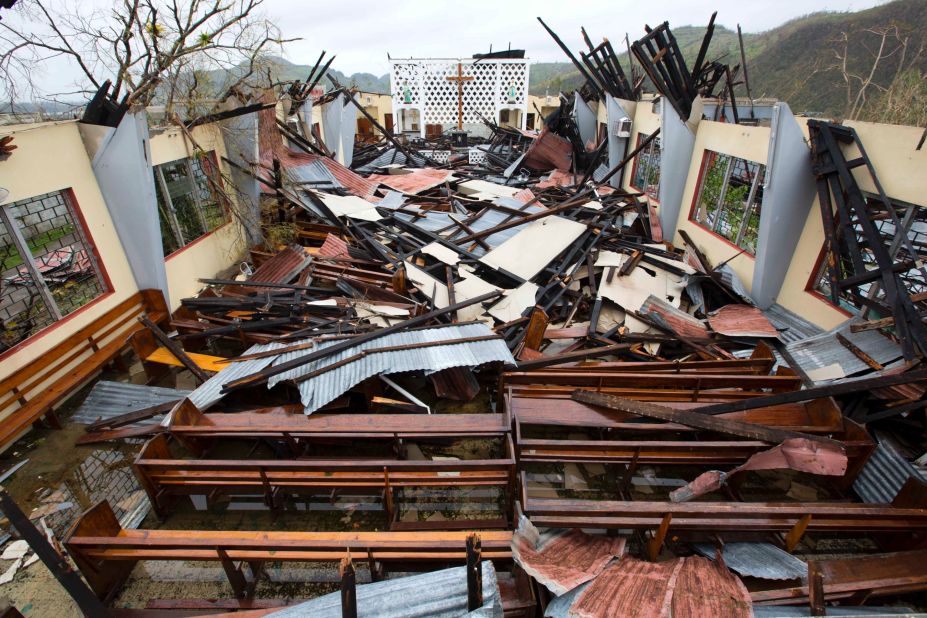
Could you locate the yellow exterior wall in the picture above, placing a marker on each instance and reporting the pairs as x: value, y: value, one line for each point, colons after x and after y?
x: 546, y: 104
x: 377, y: 105
x: 51, y: 157
x: 751, y: 143
x: 214, y: 252
x: 901, y: 168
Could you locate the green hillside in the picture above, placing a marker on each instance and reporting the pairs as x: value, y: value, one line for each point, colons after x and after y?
x: 796, y: 62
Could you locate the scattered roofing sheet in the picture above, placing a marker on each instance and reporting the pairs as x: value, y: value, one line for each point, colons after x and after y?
x: 350, y: 206
x: 108, y: 399
x: 281, y: 268
x: 629, y: 587
x: 514, y: 302
x: 790, y: 326
x: 441, y: 253
x: 334, y: 246
x: 673, y: 319
x: 485, y: 189
x: 741, y: 321
x: 562, y: 559
x: 762, y: 560
x: 439, y: 594
x: 708, y: 588
x: 549, y: 151
x: 413, y: 183
x: 209, y: 392
x: 535, y: 246
x: 325, y: 379
x: 885, y: 472
x: 823, y: 357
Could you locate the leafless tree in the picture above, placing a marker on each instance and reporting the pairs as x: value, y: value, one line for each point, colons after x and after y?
x: 148, y: 49
x: 862, y: 86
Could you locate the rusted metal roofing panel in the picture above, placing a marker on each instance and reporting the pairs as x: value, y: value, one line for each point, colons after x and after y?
x: 281, y: 268
x: 674, y: 319
x: 413, y: 183
x: 741, y: 321
x: 562, y: 559
x: 707, y: 588
x: 762, y: 560
x: 629, y: 587
x: 549, y: 151
x: 334, y: 246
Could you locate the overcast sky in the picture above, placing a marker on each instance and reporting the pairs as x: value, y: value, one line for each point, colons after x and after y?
x: 362, y: 32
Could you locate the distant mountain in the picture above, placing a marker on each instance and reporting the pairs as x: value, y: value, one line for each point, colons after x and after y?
x: 796, y: 62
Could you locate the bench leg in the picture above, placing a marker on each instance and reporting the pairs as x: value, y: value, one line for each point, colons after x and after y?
x: 234, y: 574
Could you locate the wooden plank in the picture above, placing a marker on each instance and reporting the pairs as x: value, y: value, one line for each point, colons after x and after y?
x: 205, y: 362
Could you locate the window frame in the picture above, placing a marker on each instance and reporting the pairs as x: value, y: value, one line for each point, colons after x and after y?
x: 712, y: 228
x: 641, y: 137
x: 817, y: 273
x: 89, y: 246
x: 208, y: 165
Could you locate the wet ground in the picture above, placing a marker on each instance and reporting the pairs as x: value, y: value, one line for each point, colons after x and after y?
x: 60, y: 480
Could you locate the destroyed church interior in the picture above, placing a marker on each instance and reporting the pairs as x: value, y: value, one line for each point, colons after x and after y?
x: 647, y: 347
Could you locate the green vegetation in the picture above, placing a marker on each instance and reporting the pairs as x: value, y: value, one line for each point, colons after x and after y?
x: 10, y: 258
x: 796, y: 62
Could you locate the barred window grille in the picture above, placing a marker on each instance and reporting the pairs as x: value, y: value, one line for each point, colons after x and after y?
x: 189, y: 202
x: 48, y: 266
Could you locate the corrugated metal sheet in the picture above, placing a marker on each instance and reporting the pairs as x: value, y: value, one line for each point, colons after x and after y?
x: 561, y: 560
x: 823, y: 357
x: 629, y: 587
x: 741, y: 321
x: 391, y: 156
x: 883, y: 475
x: 281, y: 268
x: 314, y: 175
x: 676, y: 320
x: 108, y: 399
x: 707, y: 588
x: 549, y: 151
x: 791, y: 326
x: 208, y: 393
x: 440, y: 594
x: 762, y: 560
x: 317, y: 391
x: 415, y: 182
x: 334, y: 246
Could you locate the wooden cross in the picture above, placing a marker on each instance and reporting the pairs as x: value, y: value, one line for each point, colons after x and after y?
x: 460, y: 79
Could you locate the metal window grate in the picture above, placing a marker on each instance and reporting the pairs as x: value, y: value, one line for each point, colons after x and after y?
x: 48, y: 268
x: 190, y: 204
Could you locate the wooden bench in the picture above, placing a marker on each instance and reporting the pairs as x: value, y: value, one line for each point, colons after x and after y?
x: 667, y: 443
x: 105, y: 552
x: 165, y: 478
x: 906, y: 515
x: 678, y: 383
x: 197, y: 430
x: 35, y: 389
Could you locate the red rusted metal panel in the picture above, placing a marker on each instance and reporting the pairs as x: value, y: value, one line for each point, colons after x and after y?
x: 741, y: 321
x: 413, y: 183
x: 549, y: 152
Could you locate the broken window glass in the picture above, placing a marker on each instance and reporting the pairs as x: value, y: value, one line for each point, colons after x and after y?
x: 48, y: 265
x: 190, y: 204
x: 730, y: 197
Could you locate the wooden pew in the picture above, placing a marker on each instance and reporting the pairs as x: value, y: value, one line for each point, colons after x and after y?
x: 165, y: 477
x: 34, y: 390
x: 197, y: 430
x: 106, y: 553
x: 719, y: 518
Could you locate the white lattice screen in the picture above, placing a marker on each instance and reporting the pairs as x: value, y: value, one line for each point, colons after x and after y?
x: 426, y: 85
